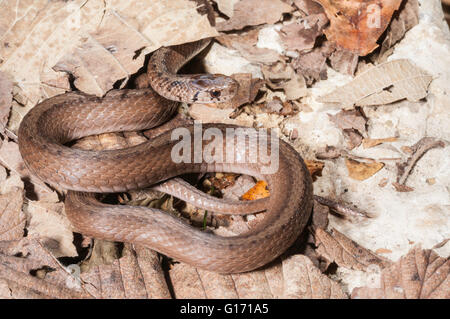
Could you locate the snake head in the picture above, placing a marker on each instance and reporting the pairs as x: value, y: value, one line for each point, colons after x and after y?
x: 213, y: 88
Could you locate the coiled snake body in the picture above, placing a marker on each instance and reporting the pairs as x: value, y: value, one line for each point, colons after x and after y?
x: 63, y: 118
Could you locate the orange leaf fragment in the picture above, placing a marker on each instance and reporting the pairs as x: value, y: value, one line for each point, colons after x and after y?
x: 258, y: 191
x: 315, y: 167
x: 361, y: 171
x: 371, y: 142
x: 356, y: 25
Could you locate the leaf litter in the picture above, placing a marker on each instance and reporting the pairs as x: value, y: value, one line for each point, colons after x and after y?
x: 103, y: 48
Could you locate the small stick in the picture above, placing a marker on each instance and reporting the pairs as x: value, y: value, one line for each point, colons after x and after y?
x: 419, y: 149
x: 340, y: 208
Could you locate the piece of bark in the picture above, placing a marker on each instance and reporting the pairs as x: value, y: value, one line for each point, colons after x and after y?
x: 420, y: 274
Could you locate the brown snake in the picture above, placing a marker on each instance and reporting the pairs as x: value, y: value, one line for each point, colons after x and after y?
x: 63, y: 118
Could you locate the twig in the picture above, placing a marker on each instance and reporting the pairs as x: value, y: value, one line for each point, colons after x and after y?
x: 340, y: 208
x: 419, y: 149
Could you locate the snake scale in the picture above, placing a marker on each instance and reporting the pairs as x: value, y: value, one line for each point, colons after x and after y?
x: 50, y: 125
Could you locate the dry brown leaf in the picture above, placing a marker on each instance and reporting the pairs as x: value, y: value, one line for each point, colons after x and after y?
x: 6, y: 87
x: 420, y: 274
x: 309, y: 6
x: 10, y: 158
x: 137, y: 274
x: 336, y: 247
x: 320, y: 214
x: 206, y: 114
x: 362, y: 171
x: 356, y: 25
x: 49, y: 223
x: 246, y: 45
x: 328, y: 152
x: 407, y: 17
x: 277, y: 72
x: 350, y: 119
x: 386, y: 83
x: 30, y: 271
x: 312, y: 65
x: 226, y: 6
x: 344, y: 61
x: 12, y: 219
x: 353, y: 125
x: 189, y: 282
x: 99, y: 42
x: 255, y: 12
x: 301, y: 35
x: 295, y: 88
x: 303, y: 280
x: 353, y: 138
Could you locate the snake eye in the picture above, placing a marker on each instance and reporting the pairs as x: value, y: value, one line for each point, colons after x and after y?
x: 215, y: 94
